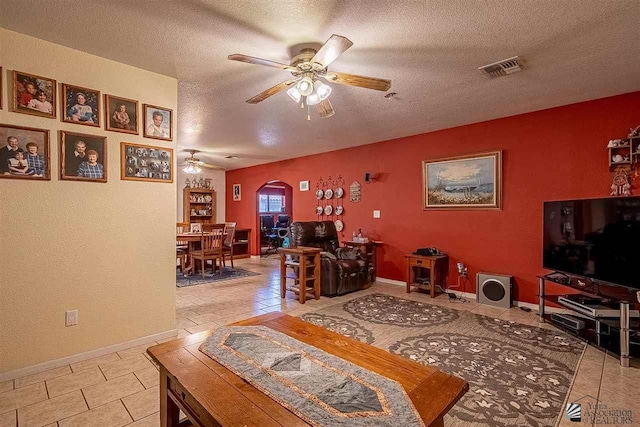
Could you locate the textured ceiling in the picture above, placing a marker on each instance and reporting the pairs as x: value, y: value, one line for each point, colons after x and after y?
x: 574, y: 51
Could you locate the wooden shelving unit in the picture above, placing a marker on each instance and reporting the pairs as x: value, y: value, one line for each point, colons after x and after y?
x: 196, y: 199
x: 242, y: 243
x: 630, y: 152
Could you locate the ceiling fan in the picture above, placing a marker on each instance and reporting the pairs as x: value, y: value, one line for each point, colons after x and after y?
x: 193, y: 165
x: 307, y: 68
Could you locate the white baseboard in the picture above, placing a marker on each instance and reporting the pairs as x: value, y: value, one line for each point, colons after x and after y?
x: 472, y: 296
x: 391, y: 281
x: 255, y: 257
x: 74, y: 358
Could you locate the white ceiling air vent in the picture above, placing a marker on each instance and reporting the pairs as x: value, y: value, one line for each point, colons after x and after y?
x: 502, y: 68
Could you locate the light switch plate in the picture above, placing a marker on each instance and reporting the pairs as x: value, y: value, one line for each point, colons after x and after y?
x: 376, y: 214
x: 71, y: 318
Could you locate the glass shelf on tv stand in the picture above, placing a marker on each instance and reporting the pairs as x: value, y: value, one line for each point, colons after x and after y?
x: 602, y: 330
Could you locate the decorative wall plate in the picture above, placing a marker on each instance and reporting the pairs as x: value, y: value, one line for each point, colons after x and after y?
x: 328, y: 210
x: 207, y: 198
x: 339, y: 210
x: 319, y: 194
x: 339, y: 193
x: 339, y: 225
x: 328, y: 193
x: 319, y: 210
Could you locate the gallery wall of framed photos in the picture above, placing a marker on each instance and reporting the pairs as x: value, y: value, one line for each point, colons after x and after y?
x: 63, y: 117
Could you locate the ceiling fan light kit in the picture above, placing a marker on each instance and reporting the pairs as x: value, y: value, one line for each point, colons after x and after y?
x: 307, y: 68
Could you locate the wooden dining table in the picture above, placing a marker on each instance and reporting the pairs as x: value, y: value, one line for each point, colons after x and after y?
x: 193, y: 240
x: 212, y: 395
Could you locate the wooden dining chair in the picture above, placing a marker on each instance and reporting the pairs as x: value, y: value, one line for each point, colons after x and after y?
x: 182, y: 248
x: 210, y: 246
x: 227, y: 246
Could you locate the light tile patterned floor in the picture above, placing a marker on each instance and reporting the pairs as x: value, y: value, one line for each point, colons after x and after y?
x: 122, y: 388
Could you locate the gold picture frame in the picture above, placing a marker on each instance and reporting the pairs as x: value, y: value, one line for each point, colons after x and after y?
x: 83, y: 111
x: 471, y: 181
x: 139, y: 162
x: 76, y: 161
x: 118, y: 119
x: 34, y: 95
x: 22, y: 139
x: 158, y: 122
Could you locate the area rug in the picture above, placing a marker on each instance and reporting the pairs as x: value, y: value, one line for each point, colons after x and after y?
x: 197, y: 279
x: 320, y: 388
x: 519, y: 375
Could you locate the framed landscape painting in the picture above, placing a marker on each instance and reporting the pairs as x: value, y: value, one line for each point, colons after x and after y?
x: 24, y: 153
x: 145, y: 163
x: 34, y: 95
x: 463, y: 182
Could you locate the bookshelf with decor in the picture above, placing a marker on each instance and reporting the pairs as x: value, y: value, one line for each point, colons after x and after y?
x: 199, y: 205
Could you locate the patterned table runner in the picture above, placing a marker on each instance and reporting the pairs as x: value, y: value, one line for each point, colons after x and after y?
x: 320, y: 388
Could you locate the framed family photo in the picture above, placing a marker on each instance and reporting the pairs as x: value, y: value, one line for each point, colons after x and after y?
x: 24, y: 153
x: 80, y: 105
x: 463, y: 182
x: 121, y: 114
x: 237, y: 192
x: 83, y: 157
x: 146, y: 163
x: 34, y: 95
x: 158, y: 122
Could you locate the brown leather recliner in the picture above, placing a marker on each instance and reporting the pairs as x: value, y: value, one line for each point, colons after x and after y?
x: 343, y: 270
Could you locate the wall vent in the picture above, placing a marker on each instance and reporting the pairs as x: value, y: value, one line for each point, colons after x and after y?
x: 502, y: 68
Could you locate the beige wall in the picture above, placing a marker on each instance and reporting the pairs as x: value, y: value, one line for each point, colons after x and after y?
x: 217, y: 182
x: 106, y: 249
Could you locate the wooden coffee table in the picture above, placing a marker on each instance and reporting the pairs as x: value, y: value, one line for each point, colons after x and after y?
x: 211, y: 395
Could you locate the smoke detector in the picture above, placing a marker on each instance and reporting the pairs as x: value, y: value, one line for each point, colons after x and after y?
x: 502, y: 68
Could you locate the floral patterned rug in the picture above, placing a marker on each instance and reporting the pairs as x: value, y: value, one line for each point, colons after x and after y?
x: 519, y: 375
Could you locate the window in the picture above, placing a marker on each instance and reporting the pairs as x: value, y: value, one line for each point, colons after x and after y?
x: 271, y: 203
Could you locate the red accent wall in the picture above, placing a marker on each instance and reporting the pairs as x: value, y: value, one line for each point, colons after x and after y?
x: 553, y: 154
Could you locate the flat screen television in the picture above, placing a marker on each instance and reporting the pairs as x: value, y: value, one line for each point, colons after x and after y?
x: 594, y: 238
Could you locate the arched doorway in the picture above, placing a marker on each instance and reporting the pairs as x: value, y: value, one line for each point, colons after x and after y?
x: 274, y: 202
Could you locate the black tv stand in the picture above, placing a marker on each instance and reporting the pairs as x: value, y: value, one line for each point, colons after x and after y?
x: 607, y: 333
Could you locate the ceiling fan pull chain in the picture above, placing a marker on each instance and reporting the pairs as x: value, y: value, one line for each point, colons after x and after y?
x: 308, y: 113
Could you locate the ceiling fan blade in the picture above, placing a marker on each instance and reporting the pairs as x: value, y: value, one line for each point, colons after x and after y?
x: 260, y: 61
x: 271, y: 91
x: 359, y: 81
x: 325, y: 109
x: 331, y: 50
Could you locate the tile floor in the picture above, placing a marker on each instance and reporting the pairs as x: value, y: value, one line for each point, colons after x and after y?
x: 122, y: 388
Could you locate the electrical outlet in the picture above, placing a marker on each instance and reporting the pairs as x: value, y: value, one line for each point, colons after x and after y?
x: 376, y: 214
x: 70, y: 317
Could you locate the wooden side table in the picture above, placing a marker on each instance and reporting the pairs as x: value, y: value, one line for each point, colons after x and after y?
x: 369, y: 250
x: 438, y: 266
x: 299, y: 263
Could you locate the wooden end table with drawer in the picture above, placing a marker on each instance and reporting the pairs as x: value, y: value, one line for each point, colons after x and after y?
x: 438, y: 266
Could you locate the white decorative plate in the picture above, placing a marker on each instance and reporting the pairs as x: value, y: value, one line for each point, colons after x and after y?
x: 319, y: 210
x: 339, y: 193
x: 328, y: 209
x: 339, y: 210
x: 339, y: 225
x: 328, y: 193
x: 207, y: 199
x: 319, y: 194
